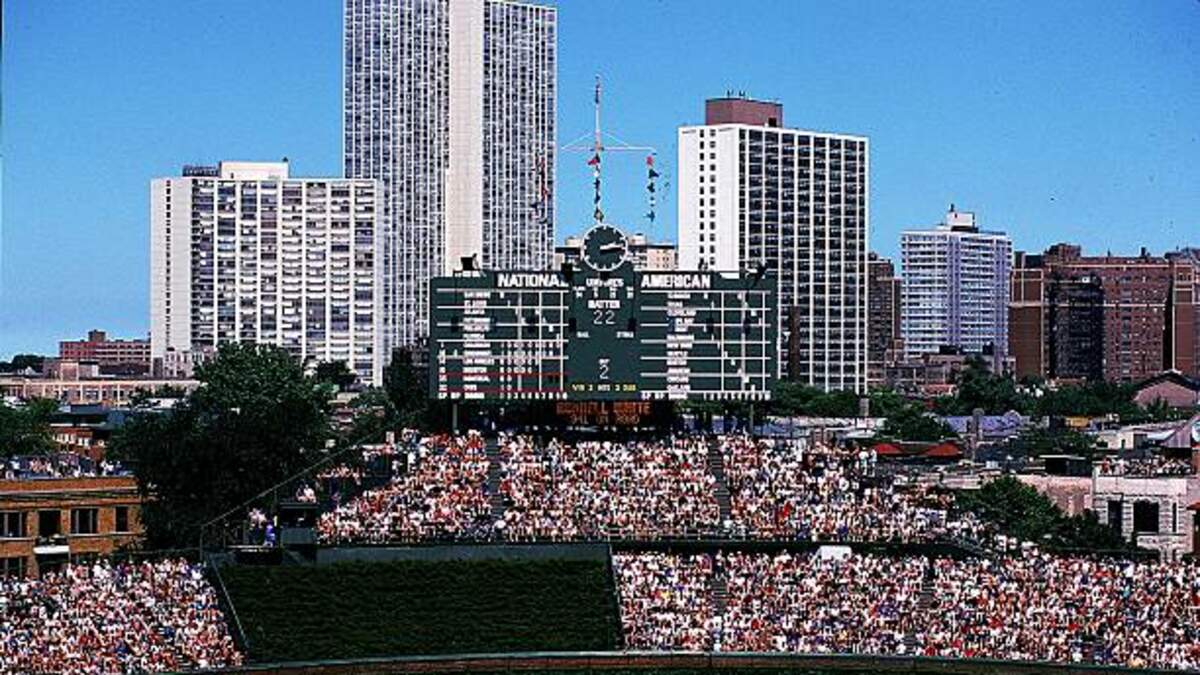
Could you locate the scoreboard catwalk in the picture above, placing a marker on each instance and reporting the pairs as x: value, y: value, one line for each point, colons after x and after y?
x: 600, y: 330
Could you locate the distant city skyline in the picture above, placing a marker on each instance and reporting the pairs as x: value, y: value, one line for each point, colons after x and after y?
x: 1080, y: 127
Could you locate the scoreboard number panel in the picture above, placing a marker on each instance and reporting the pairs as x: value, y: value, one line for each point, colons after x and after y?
x: 602, y: 331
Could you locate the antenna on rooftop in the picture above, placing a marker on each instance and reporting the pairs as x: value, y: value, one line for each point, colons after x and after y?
x: 598, y: 147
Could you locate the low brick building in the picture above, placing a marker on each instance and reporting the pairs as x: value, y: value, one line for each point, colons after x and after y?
x: 45, y: 523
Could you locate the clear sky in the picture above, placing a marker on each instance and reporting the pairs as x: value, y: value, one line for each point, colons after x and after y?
x: 1063, y: 121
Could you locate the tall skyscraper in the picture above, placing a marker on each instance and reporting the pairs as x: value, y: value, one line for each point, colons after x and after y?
x: 883, y: 318
x: 451, y: 105
x: 1122, y: 318
x: 241, y: 252
x: 955, y: 288
x: 753, y: 194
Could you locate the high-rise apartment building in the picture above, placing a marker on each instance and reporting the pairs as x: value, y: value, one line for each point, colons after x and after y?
x: 242, y: 252
x: 450, y: 104
x: 755, y: 195
x: 883, y: 318
x: 1121, y: 318
x: 955, y: 288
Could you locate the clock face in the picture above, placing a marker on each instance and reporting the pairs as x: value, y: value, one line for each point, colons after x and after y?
x: 604, y: 248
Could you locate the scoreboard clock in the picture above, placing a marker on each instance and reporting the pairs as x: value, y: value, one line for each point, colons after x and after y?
x: 602, y: 331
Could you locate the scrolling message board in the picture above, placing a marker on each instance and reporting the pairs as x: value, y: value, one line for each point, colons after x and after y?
x: 602, y: 331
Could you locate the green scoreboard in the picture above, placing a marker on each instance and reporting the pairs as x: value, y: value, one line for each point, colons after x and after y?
x: 600, y: 330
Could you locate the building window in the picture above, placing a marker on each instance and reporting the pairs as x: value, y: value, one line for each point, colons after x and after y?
x: 1116, y: 512
x: 12, y: 567
x: 1145, y: 517
x: 121, y: 519
x: 49, y: 523
x: 85, y: 521
x: 12, y: 524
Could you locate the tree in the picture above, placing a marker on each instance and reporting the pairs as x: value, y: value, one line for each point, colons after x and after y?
x: 1035, y: 442
x: 979, y: 388
x: 1021, y: 511
x: 335, y: 373
x: 791, y: 399
x: 25, y: 429
x: 910, y: 423
x: 255, y: 420
x: 407, y: 390
x: 20, y: 362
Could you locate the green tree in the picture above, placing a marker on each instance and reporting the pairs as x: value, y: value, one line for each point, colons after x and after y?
x: 335, y: 373
x: 794, y: 399
x: 20, y: 362
x: 979, y: 388
x: 1021, y: 511
x: 1037, y: 441
x: 910, y: 423
x: 255, y: 419
x: 407, y: 389
x: 25, y: 429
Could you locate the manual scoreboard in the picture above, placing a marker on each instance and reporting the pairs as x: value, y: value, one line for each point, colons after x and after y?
x: 603, y: 331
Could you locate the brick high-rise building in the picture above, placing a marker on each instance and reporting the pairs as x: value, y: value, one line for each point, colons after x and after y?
x: 884, y: 345
x: 1123, y: 318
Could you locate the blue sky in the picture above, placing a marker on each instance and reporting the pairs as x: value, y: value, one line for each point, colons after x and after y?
x: 1067, y: 121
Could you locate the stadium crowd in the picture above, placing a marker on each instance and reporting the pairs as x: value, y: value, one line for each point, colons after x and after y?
x: 810, y: 603
x: 1147, y: 467
x: 1036, y: 606
x: 442, y: 495
x: 113, y: 618
x: 665, y: 601
x: 1030, y: 606
x: 588, y: 490
x: 784, y: 490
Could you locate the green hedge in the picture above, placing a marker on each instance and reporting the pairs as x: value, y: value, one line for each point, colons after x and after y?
x: 355, y: 610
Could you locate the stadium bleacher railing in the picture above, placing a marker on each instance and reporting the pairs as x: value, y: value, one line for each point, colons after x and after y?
x: 668, y: 663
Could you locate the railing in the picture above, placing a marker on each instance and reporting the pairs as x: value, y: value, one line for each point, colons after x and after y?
x: 677, y: 661
x: 243, y: 643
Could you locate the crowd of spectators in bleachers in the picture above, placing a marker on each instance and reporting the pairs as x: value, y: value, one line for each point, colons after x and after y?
x: 665, y: 599
x: 1037, y: 606
x: 819, y: 604
x: 1151, y: 466
x: 442, y: 495
x: 59, y: 465
x: 635, y: 490
x: 1030, y: 606
x: 113, y: 618
x: 782, y: 489
x: 589, y: 490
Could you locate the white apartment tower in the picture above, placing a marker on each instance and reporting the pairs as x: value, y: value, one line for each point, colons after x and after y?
x: 753, y: 194
x: 450, y: 104
x: 955, y: 288
x: 242, y: 252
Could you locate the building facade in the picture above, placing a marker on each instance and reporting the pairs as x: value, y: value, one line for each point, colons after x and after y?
x: 955, y: 289
x: 1120, y: 318
x: 884, y: 345
x: 46, y: 523
x: 130, y: 357
x: 755, y: 195
x: 451, y: 106
x: 644, y: 254
x: 242, y: 252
